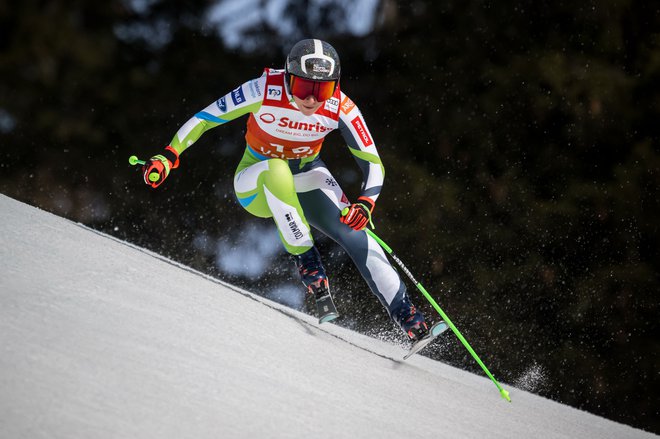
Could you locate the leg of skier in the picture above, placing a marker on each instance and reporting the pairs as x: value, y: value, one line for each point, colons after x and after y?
x: 265, y: 188
x: 321, y: 199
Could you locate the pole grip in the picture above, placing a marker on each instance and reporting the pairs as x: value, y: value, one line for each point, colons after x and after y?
x: 133, y: 160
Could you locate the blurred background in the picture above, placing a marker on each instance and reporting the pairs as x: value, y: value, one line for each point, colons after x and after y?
x: 520, y: 141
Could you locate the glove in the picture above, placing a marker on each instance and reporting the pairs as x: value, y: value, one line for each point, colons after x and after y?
x: 359, y: 214
x: 157, y: 168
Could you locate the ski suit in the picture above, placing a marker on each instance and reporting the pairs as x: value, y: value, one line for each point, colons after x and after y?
x: 281, y: 174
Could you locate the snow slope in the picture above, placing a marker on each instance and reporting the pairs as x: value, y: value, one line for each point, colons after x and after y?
x: 99, y: 339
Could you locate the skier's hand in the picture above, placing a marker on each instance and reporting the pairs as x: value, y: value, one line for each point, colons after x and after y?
x: 359, y: 214
x: 157, y: 168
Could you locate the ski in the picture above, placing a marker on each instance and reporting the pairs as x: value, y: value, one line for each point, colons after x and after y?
x: 434, y: 331
x: 325, y: 307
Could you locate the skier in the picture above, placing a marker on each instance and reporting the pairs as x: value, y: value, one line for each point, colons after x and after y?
x: 281, y: 174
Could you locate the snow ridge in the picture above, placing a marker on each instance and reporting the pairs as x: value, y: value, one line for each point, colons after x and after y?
x: 103, y: 339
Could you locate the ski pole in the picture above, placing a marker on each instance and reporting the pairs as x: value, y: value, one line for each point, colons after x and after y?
x: 133, y: 160
x: 444, y: 316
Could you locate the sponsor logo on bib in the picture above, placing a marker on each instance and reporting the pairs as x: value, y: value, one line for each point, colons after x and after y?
x: 347, y: 105
x: 267, y: 118
x: 332, y: 105
x: 274, y: 92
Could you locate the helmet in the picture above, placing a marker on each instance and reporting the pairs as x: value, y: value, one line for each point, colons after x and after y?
x: 315, y: 60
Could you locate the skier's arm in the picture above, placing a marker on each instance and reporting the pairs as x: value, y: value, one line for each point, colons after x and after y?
x: 245, y: 99
x: 360, y: 143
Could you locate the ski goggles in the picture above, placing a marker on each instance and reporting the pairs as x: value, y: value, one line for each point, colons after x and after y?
x: 321, y: 90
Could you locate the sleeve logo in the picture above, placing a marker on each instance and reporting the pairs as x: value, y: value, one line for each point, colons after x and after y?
x: 237, y: 96
x: 254, y: 88
x: 222, y: 104
x: 358, y: 124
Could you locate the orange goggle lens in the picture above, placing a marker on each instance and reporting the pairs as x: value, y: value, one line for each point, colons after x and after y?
x: 321, y: 90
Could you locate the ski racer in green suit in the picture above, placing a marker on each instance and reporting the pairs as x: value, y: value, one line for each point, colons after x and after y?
x: 281, y: 174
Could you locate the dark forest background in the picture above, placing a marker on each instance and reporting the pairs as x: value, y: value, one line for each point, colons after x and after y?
x: 520, y: 140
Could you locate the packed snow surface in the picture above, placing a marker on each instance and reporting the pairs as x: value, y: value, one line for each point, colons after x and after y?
x: 100, y: 339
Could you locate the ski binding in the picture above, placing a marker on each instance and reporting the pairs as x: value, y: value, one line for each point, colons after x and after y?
x: 434, y: 331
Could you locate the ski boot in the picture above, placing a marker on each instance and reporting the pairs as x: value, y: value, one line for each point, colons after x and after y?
x: 418, y: 331
x: 410, y: 320
x: 415, y: 326
x: 315, y: 280
x: 421, y: 335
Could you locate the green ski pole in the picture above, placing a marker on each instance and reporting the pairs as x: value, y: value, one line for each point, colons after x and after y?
x: 444, y: 316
